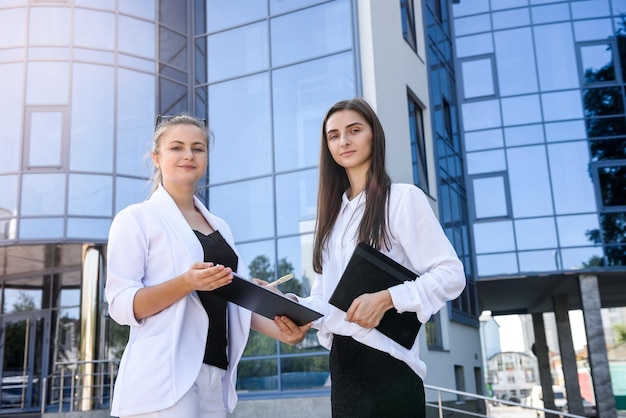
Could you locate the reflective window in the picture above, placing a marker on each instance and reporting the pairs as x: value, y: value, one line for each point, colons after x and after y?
x: 301, y: 95
x: 535, y: 261
x: 418, y: 144
x: 608, y: 149
x: 485, y: 162
x: 508, y: 4
x: 538, y: 233
x: 530, y: 182
x: 8, y: 197
x: 8, y: 207
x: 90, y: 195
x: 48, y: 26
x: 478, y: 78
x: 511, y: 18
x: 481, y: 115
x: 43, y: 194
x: 13, y: 22
x: 91, y: 147
x: 612, y: 181
x: 491, y: 237
x: 574, y: 230
x: 465, y: 8
x: 45, y: 139
x: 298, y: 252
x: 521, y: 110
x: 135, y: 122
x: 524, y: 135
x: 572, y: 188
x: 100, y: 4
x: 322, y: 29
x: 281, y: 6
x: 19, y: 298
x: 479, y: 140
x: 11, y: 102
x: 603, y: 101
x: 48, y: 83
x: 490, y: 197
x: 239, y: 116
x: 556, y: 58
x: 577, y: 258
x: 239, y: 51
x: 468, y: 46
x: 561, y: 105
x: 224, y: 14
x: 590, y: 8
x: 296, y: 200
x: 141, y: 8
x: 591, y: 30
x: 407, y: 11
x: 94, y: 29
x: 88, y: 229
x: 473, y: 24
x: 515, y: 61
x: 258, y: 257
x: 550, y: 13
x: 128, y: 191
x: 597, y: 63
x: 496, y: 264
x: 136, y: 37
x: 69, y: 294
x: 246, y: 206
x: 42, y: 228
x: 563, y: 131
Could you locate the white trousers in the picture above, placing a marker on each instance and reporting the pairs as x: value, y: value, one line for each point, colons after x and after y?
x: 203, y: 400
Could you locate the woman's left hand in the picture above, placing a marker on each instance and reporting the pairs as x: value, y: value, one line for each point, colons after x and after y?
x: 368, y: 309
x: 292, y: 334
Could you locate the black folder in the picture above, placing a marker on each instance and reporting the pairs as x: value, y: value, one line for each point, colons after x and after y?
x: 370, y: 271
x: 264, y: 301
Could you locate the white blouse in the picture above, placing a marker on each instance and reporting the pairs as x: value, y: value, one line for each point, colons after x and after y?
x: 418, y: 242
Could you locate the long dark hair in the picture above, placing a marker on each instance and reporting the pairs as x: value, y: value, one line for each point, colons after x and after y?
x: 333, y: 182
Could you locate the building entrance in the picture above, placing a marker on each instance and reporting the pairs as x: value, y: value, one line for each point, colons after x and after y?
x: 23, y: 338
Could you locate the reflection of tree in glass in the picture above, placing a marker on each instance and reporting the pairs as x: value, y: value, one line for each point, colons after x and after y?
x: 604, y: 113
x: 262, y: 345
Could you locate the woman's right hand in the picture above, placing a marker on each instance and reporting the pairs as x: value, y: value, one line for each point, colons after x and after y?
x: 207, y: 276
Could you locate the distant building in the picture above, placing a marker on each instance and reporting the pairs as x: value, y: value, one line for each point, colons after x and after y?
x: 512, y: 375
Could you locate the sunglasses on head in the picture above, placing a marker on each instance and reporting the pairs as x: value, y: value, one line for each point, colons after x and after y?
x: 162, y: 118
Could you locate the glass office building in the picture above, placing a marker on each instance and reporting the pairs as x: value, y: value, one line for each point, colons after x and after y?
x: 542, y: 104
x: 82, y: 82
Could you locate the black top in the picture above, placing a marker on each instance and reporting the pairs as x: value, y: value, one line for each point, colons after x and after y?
x: 216, y: 251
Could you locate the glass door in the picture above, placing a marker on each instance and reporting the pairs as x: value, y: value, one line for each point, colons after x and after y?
x: 22, y: 340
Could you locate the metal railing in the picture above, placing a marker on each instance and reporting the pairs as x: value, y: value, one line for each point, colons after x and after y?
x: 447, y: 405
x: 79, y: 386
x: 88, y: 385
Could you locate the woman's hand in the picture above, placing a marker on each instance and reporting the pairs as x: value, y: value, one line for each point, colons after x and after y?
x: 292, y: 334
x: 368, y: 309
x: 207, y: 276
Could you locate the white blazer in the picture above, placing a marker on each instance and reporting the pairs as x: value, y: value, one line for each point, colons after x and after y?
x: 150, y: 243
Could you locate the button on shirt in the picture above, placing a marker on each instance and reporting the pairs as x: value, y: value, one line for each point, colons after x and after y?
x: 418, y: 242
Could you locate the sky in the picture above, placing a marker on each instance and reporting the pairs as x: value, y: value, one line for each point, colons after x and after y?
x: 511, y: 336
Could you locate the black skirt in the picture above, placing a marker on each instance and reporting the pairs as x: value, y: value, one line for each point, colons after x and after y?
x: 366, y: 382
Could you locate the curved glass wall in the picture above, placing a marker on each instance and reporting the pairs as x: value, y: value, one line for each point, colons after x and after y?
x: 543, y: 113
x: 78, y: 99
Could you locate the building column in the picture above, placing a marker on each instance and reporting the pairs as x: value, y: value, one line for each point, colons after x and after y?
x: 596, y: 346
x: 92, y: 265
x: 568, y: 356
x: 540, y: 349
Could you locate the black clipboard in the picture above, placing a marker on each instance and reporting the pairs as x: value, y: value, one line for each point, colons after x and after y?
x: 266, y: 302
x: 370, y: 271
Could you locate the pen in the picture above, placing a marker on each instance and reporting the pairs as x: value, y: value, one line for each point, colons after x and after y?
x: 282, y: 280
